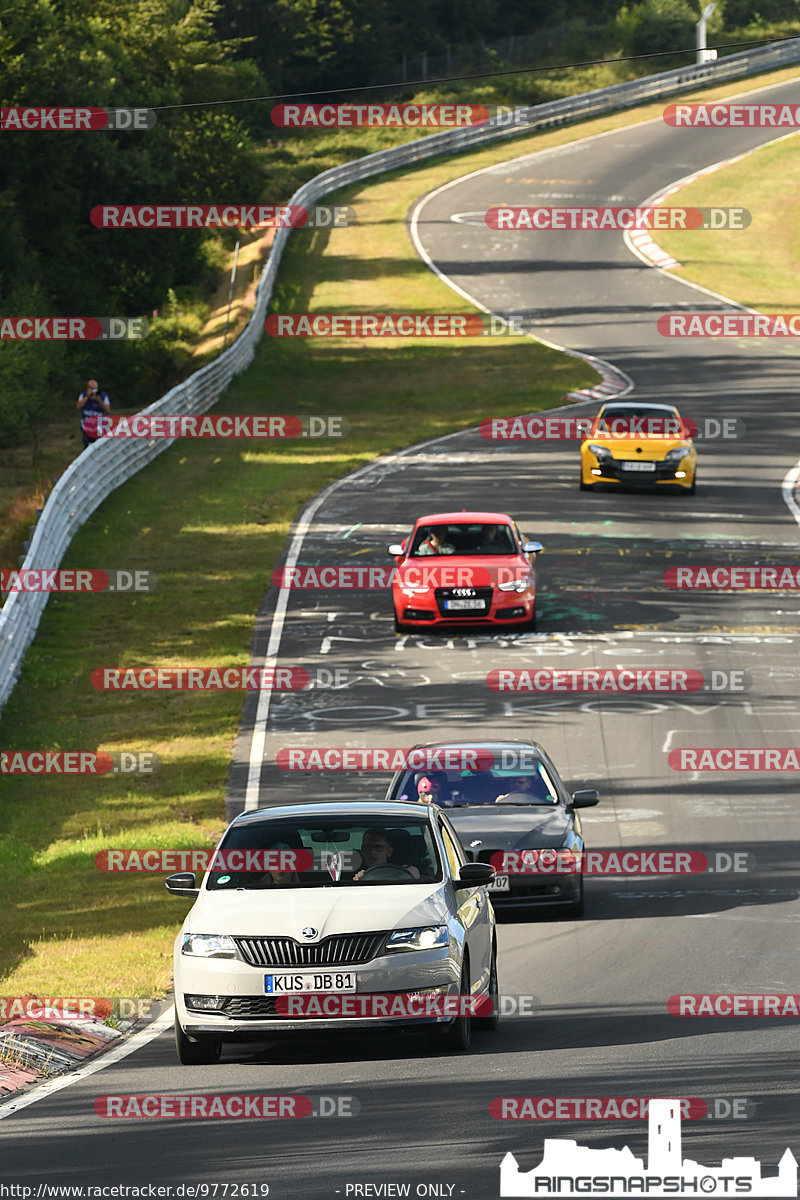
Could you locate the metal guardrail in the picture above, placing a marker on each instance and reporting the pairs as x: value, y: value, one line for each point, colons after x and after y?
x: 104, y: 466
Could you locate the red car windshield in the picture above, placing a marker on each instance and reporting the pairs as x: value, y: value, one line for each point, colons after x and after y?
x: 465, y: 540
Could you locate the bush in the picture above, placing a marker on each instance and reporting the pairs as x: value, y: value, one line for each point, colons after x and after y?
x: 660, y: 27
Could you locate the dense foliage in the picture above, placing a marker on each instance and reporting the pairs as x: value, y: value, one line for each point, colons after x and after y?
x: 108, y: 53
x: 182, y: 57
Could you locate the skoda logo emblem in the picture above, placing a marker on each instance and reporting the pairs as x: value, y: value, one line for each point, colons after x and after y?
x: 309, y: 932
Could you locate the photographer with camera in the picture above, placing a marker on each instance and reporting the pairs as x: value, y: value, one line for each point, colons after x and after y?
x: 91, y: 403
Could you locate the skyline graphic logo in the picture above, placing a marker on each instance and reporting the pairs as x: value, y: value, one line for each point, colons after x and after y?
x: 570, y: 1170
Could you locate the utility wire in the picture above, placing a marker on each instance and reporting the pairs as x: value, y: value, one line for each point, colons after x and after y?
x: 374, y: 87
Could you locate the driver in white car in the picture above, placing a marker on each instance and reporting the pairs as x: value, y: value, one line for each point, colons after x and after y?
x: 376, y: 850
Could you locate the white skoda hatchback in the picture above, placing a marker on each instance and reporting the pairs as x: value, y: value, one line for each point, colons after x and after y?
x: 335, y: 916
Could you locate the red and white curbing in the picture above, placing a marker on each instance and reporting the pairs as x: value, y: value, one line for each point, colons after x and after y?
x: 614, y: 383
x: 641, y: 242
x: 33, y: 1050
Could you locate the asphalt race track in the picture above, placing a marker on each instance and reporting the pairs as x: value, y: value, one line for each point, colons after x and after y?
x: 599, y: 986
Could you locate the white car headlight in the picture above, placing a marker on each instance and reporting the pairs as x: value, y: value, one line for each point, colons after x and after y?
x: 514, y: 585
x: 430, y: 938
x: 208, y: 945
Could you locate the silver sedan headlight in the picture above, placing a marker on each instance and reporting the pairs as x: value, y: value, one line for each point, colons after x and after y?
x: 431, y: 937
x: 208, y: 945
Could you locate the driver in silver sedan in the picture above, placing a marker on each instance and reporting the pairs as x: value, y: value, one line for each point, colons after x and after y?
x: 376, y: 850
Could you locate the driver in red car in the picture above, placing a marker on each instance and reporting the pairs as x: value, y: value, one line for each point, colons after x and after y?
x: 376, y: 850
x: 434, y: 543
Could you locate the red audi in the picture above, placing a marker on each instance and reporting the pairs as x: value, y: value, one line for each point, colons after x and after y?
x: 465, y: 568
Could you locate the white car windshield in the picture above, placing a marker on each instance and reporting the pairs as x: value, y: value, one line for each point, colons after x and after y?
x: 330, y: 852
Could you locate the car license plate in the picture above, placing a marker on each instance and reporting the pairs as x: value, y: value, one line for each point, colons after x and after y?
x: 499, y: 884
x: 638, y: 466
x: 306, y: 981
x: 464, y: 604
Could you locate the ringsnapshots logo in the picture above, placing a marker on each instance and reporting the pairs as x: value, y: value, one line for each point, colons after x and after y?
x: 536, y: 219
x: 392, y: 325
x: 79, y: 762
x: 220, y: 216
x: 617, y: 680
x: 184, y: 425
x: 37, y: 579
x: 732, y: 115
x: 570, y: 1170
x: 72, y: 329
x: 73, y: 120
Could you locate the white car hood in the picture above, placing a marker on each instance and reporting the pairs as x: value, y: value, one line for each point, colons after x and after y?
x: 285, y: 913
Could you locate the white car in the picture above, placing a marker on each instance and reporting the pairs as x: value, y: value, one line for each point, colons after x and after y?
x: 362, y: 901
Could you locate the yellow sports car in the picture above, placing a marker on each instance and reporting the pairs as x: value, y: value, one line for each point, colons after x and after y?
x: 639, y: 445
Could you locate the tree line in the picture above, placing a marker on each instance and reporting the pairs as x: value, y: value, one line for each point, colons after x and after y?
x: 184, y: 58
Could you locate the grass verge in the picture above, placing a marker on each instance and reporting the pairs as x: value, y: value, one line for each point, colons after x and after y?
x: 756, y: 266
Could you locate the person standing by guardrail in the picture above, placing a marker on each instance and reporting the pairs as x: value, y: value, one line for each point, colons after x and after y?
x: 91, y: 403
